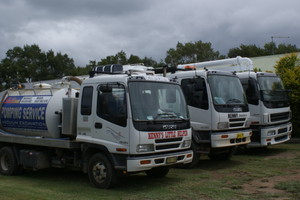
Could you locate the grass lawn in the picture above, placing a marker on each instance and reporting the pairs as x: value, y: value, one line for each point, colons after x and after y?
x: 272, y: 173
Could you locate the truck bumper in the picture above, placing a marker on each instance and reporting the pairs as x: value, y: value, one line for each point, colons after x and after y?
x: 232, y: 138
x: 273, y: 135
x: 135, y: 164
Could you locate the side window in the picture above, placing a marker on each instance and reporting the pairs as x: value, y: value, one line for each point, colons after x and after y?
x: 195, y: 92
x: 87, y: 98
x: 250, y: 90
x: 111, y: 103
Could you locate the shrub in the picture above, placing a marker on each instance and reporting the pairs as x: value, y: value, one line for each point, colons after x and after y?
x: 288, y: 68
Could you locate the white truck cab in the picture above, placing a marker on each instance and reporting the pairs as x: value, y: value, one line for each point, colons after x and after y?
x: 218, y: 109
x: 269, y: 107
x: 270, y: 113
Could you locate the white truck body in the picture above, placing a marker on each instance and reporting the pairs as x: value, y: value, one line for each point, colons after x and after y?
x: 268, y: 102
x: 269, y: 107
x: 219, y: 112
x: 107, y: 126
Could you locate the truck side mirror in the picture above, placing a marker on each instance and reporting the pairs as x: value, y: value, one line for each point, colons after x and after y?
x: 252, y: 92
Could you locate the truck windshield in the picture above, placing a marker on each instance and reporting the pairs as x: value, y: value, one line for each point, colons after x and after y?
x: 226, y: 90
x: 273, y: 93
x: 153, y: 101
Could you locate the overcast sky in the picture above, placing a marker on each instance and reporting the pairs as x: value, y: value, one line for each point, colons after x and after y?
x: 93, y: 29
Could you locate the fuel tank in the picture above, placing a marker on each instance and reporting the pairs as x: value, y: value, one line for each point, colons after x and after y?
x: 34, y: 112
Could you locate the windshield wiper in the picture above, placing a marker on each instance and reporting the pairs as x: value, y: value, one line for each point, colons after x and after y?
x: 233, y: 101
x: 166, y: 115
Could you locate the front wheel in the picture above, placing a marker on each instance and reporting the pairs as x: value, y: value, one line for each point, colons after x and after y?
x: 101, y: 172
x: 8, y: 162
x: 158, y: 172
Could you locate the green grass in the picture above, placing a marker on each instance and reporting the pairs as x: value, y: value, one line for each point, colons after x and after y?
x: 208, y: 180
x: 290, y: 186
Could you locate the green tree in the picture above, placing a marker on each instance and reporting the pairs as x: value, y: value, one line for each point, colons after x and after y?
x: 283, y: 48
x: 15, y: 67
x: 31, y: 64
x: 288, y: 68
x: 134, y: 59
x: 246, y: 51
x: 269, y: 49
x: 119, y: 58
x: 191, y: 52
x: 149, y: 62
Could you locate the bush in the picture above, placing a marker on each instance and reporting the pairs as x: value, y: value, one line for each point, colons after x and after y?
x: 288, y: 68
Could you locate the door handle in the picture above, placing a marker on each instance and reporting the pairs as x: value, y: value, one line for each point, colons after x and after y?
x: 98, y: 125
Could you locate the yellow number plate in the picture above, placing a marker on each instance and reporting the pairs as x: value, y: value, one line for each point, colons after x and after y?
x: 240, y: 135
x: 171, y: 160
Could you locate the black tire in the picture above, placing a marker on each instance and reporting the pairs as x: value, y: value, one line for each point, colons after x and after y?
x: 101, y: 172
x: 8, y: 162
x: 223, y: 156
x: 158, y: 172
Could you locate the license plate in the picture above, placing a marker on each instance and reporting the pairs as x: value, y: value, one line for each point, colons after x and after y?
x: 240, y: 135
x: 171, y: 160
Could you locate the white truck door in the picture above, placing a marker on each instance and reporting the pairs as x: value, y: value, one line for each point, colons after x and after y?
x: 110, y: 118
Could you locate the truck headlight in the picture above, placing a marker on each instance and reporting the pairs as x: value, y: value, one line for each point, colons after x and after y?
x: 270, y: 133
x: 186, y: 143
x: 223, y: 125
x: 145, y: 148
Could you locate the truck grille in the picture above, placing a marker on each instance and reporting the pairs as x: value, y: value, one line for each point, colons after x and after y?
x: 280, y: 116
x: 167, y: 146
x: 168, y: 143
x: 236, y: 122
x: 284, y: 137
x: 282, y: 130
x: 168, y: 140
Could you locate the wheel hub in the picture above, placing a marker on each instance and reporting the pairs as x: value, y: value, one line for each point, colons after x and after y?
x: 99, y: 172
x: 4, y: 161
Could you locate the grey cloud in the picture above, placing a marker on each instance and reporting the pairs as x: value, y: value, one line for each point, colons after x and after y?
x: 93, y: 8
x: 93, y: 29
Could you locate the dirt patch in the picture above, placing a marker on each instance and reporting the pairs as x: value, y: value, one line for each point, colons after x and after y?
x: 267, y: 185
x: 284, y: 155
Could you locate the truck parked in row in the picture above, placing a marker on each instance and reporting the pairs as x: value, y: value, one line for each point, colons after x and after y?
x: 119, y: 121
x: 270, y: 113
x: 269, y: 107
x: 218, y: 109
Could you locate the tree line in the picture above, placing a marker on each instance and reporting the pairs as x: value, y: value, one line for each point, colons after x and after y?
x: 29, y: 63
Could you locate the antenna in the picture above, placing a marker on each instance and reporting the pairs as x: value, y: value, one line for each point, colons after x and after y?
x: 272, y: 38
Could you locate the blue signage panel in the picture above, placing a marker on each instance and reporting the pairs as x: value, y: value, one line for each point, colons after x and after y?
x: 25, y: 112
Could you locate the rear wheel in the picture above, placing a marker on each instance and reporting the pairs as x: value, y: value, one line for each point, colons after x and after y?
x: 8, y: 162
x: 158, y: 172
x: 101, y: 172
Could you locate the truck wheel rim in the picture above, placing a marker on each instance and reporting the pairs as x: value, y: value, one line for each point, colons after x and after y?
x: 4, y: 162
x: 99, y: 172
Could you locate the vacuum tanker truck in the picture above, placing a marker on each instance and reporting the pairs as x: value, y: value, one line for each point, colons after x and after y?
x: 117, y: 122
